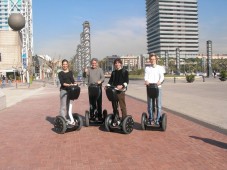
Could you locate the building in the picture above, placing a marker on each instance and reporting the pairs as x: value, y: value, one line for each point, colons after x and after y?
x: 172, y: 24
x: 130, y: 62
x: 25, y: 8
x: 10, y: 51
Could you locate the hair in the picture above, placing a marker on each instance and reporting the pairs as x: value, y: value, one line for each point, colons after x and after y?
x: 64, y: 60
x: 153, y: 55
x: 94, y: 59
x: 117, y: 60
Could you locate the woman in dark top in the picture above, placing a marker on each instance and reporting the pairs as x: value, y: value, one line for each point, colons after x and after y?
x: 66, y: 79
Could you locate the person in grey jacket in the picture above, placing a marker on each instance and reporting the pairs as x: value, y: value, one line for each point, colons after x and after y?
x: 96, y: 76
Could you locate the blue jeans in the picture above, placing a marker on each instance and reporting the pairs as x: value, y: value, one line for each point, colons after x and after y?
x: 158, y: 102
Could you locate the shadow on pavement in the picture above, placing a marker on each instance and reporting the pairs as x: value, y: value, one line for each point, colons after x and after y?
x: 212, y: 142
x: 50, y: 119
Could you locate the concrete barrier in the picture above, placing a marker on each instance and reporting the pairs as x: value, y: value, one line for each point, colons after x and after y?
x: 2, y: 100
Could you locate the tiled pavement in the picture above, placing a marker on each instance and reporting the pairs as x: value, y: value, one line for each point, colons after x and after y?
x: 29, y: 142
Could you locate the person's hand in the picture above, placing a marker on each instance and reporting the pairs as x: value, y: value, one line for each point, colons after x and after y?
x: 99, y: 82
x: 119, y: 87
x: 86, y: 70
x: 159, y: 83
x: 146, y: 83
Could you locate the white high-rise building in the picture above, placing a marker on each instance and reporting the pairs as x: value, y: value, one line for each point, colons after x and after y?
x: 172, y: 24
x: 25, y: 8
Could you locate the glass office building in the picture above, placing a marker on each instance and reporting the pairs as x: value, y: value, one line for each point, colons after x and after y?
x: 25, y: 8
x: 172, y: 24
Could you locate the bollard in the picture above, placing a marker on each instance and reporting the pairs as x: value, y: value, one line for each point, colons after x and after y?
x: 203, y: 78
x: 174, y: 79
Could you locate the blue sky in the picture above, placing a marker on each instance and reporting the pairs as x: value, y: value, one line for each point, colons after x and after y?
x: 117, y: 26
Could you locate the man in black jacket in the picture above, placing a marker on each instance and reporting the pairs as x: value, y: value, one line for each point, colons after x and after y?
x: 119, y: 79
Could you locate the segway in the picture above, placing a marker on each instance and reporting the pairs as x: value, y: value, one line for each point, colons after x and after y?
x: 113, y: 121
x: 153, y: 92
x: 61, y: 124
x: 94, y: 117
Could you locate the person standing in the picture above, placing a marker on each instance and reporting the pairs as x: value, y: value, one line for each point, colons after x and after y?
x: 154, y: 74
x: 119, y: 79
x: 3, y: 81
x: 66, y: 80
x: 96, y: 76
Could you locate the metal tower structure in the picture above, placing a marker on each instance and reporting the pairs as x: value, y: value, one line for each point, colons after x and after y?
x: 83, y: 52
x: 209, y: 57
x: 86, y: 44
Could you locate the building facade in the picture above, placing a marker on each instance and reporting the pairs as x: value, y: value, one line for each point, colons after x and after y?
x: 10, y: 51
x: 25, y: 8
x: 172, y: 24
x: 130, y: 62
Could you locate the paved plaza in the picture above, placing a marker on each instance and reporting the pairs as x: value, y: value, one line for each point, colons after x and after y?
x: 28, y: 140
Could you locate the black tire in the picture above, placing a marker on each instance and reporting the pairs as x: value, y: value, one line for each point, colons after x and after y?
x: 164, y: 122
x: 143, y: 121
x: 127, y: 125
x: 60, y: 125
x: 104, y: 114
x: 87, y: 115
x: 108, y: 122
x: 79, y: 120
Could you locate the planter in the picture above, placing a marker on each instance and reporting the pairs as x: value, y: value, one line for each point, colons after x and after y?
x: 222, y: 78
x: 190, y: 78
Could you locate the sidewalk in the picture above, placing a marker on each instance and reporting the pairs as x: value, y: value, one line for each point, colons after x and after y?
x: 28, y: 141
x: 16, y: 93
x: 204, y: 102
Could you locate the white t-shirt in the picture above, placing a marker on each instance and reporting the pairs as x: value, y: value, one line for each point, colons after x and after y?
x: 154, y: 74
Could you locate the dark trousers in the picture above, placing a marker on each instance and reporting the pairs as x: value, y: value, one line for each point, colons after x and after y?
x: 121, y: 101
x: 96, y: 104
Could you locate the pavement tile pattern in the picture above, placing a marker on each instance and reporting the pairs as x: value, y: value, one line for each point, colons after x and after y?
x: 28, y: 140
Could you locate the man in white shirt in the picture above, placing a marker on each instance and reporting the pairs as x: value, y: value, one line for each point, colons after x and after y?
x: 154, y: 75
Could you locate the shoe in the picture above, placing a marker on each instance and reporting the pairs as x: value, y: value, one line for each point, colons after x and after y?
x: 156, y: 122
x: 72, y: 123
x: 151, y: 122
x: 114, y: 124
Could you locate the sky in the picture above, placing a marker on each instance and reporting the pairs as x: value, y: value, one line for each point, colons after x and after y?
x: 117, y: 27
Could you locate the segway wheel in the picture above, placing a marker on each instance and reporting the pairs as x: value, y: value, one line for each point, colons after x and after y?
x: 60, y: 125
x: 143, y: 121
x: 108, y: 122
x: 127, y: 125
x: 87, y: 118
x: 104, y: 113
x: 79, y: 121
x: 164, y: 122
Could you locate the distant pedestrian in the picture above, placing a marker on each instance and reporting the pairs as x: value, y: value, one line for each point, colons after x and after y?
x: 3, y: 81
x: 57, y: 81
x: 214, y: 74
x: 9, y: 82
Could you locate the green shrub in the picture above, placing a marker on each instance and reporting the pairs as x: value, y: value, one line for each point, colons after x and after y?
x: 223, y: 74
x: 190, y: 78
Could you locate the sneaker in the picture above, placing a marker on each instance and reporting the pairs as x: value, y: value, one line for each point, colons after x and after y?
x: 72, y: 123
x: 156, y: 122
x: 150, y: 121
x: 114, y: 124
